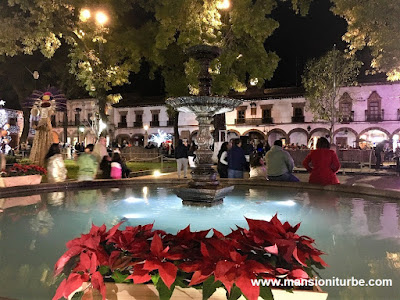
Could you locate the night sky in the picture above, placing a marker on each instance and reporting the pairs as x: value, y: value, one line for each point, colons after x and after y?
x: 299, y: 39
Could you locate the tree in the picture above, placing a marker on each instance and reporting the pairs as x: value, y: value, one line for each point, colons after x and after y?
x: 103, y: 54
x: 373, y: 24
x: 322, y: 79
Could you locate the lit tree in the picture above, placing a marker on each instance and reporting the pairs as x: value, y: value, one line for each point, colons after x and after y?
x: 105, y: 50
x: 322, y: 79
x: 373, y: 24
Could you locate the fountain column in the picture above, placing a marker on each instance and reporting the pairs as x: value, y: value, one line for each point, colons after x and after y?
x: 204, y: 189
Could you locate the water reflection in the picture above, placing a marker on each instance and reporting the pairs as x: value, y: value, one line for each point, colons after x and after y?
x: 360, y: 236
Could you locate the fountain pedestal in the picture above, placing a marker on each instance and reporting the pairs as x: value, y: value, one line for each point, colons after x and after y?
x: 204, y: 189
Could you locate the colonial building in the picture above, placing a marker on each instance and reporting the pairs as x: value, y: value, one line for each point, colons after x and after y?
x: 370, y: 113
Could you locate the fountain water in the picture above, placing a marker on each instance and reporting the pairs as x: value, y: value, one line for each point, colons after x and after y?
x: 204, y: 189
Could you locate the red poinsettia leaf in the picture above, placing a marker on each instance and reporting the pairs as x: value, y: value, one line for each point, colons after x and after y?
x: 281, y: 270
x: 84, y: 263
x: 218, y: 234
x: 298, y: 274
x: 278, y: 225
x: 297, y: 258
x: 98, y: 284
x: 168, y: 272
x: 151, y: 264
x: 198, y: 278
x: 60, y: 290
x: 272, y: 249
x: 139, y: 276
x: 93, y: 263
x: 156, y: 246
x: 113, y: 230
x: 62, y: 261
x: 252, y: 266
x: 74, y: 282
x: 203, y: 249
x: 236, y: 257
x: 244, y: 283
x: 223, y: 267
x: 190, y: 267
x: 317, y: 258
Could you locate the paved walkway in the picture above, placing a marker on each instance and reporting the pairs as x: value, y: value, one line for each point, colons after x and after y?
x: 380, y: 179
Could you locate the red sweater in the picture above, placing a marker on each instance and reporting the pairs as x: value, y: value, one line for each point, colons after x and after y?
x: 323, y: 165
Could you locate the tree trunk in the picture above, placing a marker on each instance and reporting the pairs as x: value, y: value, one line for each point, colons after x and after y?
x: 219, y: 124
x: 102, y: 101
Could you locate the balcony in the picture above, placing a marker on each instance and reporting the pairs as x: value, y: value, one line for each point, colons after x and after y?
x: 240, y: 121
x: 122, y: 125
x: 374, y: 117
x: 154, y: 123
x: 267, y: 120
x: 138, y: 124
x: 347, y: 118
x: 254, y: 121
x: 298, y: 119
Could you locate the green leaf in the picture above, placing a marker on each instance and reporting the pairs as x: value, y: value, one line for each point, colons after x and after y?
x: 235, y: 293
x: 209, y: 287
x: 104, y: 270
x: 119, y: 277
x: 164, y: 293
x: 265, y: 293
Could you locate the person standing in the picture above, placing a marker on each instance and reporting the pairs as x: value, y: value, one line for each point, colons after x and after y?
x: 322, y: 163
x: 236, y: 160
x: 222, y: 162
x: 192, y: 155
x: 378, y: 154
x: 181, y: 155
x: 279, y: 164
x: 56, y: 171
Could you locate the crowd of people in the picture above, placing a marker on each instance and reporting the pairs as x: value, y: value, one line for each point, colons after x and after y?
x: 94, y: 162
x: 276, y: 164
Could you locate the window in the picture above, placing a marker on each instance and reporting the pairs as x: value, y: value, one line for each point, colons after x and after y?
x: 123, y: 119
x: 241, y: 114
x: 154, y: 117
x: 298, y: 111
x: 77, y: 119
x: 345, y: 109
x: 266, y: 113
x: 373, y: 109
x: 139, y: 118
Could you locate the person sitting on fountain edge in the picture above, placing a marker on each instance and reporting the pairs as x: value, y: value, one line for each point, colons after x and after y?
x: 279, y: 164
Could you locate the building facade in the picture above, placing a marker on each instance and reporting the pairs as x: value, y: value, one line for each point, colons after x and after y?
x: 370, y: 113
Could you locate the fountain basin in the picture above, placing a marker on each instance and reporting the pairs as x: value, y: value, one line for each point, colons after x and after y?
x: 204, y: 105
x: 202, y: 196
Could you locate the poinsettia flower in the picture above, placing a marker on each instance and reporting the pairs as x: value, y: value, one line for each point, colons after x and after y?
x: 158, y: 261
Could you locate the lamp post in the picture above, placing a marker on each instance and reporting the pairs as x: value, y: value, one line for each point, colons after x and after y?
x: 146, y: 136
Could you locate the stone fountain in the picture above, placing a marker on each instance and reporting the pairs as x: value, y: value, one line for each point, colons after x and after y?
x: 204, y: 189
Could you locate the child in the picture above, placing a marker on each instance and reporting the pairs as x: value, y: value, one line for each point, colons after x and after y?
x: 257, y: 167
x: 56, y: 171
x: 116, y: 166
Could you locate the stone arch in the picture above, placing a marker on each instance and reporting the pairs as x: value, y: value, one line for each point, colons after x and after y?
x: 234, y: 131
x: 279, y: 131
x: 137, y: 139
x: 123, y: 136
x: 318, y: 129
x: 254, y: 130
x: 397, y: 131
x: 297, y: 130
x: 376, y: 128
x: 348, y: 129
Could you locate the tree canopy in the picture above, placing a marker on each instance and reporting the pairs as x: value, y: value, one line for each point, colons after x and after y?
x: 373, y: 24
x: 322, y: 80
x: 103, y: 55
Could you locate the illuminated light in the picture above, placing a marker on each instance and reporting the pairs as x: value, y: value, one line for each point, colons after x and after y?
x: 146, y: 127
x: 145, y: 191
x: 160, y: 137
x: 132, y: 216
x: 239, y: 56
x: 102, y: 126
x: 157, y: 173
x: 134, y: 200
x: 101, y: 18
x: 253, y: 81
x: 2, y: 102
x: 225, y: 4
x: 286, y: 203
x: 85, y: 15
x: 364, y: 137
x: 81, y: 129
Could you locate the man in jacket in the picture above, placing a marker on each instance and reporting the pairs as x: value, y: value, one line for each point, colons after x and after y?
x: 236, y: 160
x: 181, y: 155
x: 279, y: 164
